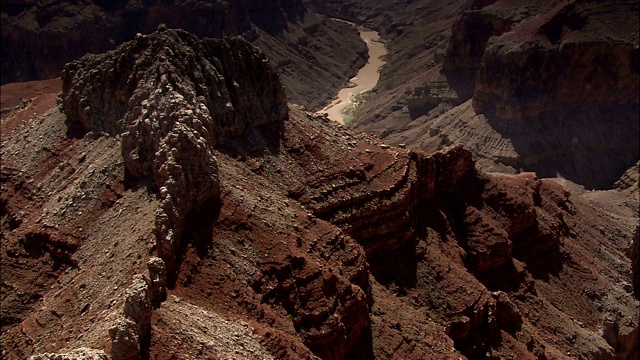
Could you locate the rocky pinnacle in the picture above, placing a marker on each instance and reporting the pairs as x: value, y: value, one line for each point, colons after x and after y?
x: 171, y: 98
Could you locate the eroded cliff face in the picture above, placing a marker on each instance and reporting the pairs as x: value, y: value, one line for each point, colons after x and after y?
x: 468, y: 42
x: 285, y: 235
x: 571, y: 58
x: 562, y: 71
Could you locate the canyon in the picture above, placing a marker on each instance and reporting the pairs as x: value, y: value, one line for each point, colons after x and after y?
x: 500, y: 76
x: 170, y: 198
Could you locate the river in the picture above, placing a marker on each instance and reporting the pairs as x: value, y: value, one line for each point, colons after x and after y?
x: 343, y: 107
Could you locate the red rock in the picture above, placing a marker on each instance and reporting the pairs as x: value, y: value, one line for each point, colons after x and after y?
x: 320, y: 242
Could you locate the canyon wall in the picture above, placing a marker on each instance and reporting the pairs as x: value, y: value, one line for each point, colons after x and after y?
x: 38, y: 39
x: 579, y: 56
x: 548, y: 86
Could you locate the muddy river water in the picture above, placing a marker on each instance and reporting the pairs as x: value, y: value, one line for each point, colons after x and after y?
x: 342, y: 107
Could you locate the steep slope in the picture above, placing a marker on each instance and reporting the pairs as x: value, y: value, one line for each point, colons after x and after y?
x: 288, y: 236
x: 315, y: 55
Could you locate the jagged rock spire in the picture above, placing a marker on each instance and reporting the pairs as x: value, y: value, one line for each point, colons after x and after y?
x: 173, y: 98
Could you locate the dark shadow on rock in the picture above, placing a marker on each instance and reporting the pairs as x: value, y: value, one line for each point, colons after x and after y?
x: 396, y: 269
x: 507, y: 278
x: 363, y: 347
x: 476, y: 345
x: 39, y: 243
x: 462, y: 81
x: 480, y: 329
x: 132, y: 183
x: 75, y: 130
x: 541, y: 252
x: 198, y: 234
x: 256, y: 141
x: 588, y: 145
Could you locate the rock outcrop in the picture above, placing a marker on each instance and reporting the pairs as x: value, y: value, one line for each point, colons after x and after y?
x: 132, y: 329
x: 482, y: 322
x: 430, y: 95
x: 469, y: 38
x: 173, y: 98
x: 125, y: 341
x: 629, y: 182
x: 634, y: 253
x: 158, y: 278
x: 623, y: 338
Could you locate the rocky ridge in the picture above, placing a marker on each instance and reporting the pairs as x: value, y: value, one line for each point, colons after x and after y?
x: 311, y: 240
x: 158, y: 105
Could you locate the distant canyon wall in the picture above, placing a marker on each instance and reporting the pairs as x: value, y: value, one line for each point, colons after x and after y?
x: 575, y: 57
x: 38, y: 39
